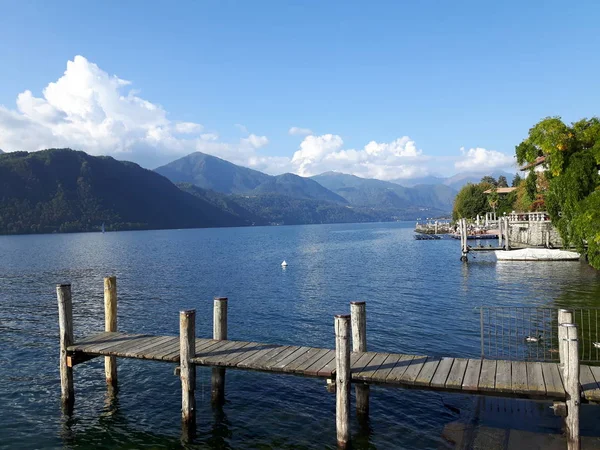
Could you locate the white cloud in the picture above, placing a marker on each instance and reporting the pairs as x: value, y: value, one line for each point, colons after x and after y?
x: 386, y: 160
x: 297, y: 131
x: 242, y: 128
x: 481, y: 159
x: 88, y: 109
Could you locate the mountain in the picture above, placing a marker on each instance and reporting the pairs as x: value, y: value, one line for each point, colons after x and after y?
x: 456, y: 181
x: 386, y: 195
x: 210, y: 172
x: 276, y: 209
x: 216, y: 174
x: 66, y: 190
x: 1, y: 152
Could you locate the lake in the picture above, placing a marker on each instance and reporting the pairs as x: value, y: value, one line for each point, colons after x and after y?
x: 420, y: 299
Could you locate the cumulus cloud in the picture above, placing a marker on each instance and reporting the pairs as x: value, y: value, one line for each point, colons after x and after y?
x: 481, y: 159
x: 384, y: 160
x: 88, y: 109
x: 297, y: 131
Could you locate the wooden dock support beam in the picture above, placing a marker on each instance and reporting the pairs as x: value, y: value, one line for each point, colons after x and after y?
x: 463, y: 240
x: 506, y: 229
x: 572, y: 386
x: 65, y: 322
x: 110, y: 324
x: 500, y: 233
x: 564, y: 316
x: 358, y: 315
x: 219, y: 333
x: 342, y: 380
x: 187, y: 350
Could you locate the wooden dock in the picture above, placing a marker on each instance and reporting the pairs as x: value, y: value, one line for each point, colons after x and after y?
x: 540, y: 380
x: 340, y: 366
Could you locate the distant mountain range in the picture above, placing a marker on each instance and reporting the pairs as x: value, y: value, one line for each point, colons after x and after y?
x: 61, y: 190
x: 456, y: 181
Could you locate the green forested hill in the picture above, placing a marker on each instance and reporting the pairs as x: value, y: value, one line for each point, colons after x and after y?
x: 66, y: 190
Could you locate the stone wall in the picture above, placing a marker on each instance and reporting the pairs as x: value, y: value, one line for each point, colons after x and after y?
x: 533, y: 234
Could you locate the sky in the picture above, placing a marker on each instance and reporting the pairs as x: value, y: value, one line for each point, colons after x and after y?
x: 388, y: 90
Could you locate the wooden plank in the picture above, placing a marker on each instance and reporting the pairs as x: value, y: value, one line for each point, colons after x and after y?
x: 293, y: 366
x: 148, y: 351
x: 301, y: 368
x: 412, y: 372
x: 263, y: 363
x: 385, y: 368
x: 589, y: 386
x: 594, y: 395
x: 246, y: 352
x: 503, y: 376
x: 399, y: 369
x: 101, y: 343
x: 519, y: 377
x: 487, y: 377
x: 457, y: 373
x: 291, y: 357
x: 441, y: 373
x: 313, y: 369
x: 93, y: 338
x: 471, y: 379
x: 554, y: 385
x: 367, y: 372
x: 262, y: 355
x: 328, y: 370
x: 215, y: 357
x: 240, y: 350
x: 535, y: 379
x: 361, y: 362
x: 120, y: 348
x: 276, y: 361
x: 427, y: 372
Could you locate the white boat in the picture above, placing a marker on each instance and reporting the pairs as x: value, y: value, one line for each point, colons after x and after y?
x: 284, y: 264
x: 537, y: 254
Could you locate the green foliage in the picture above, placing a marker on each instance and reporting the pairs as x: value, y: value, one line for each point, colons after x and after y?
x: 573, y: 157
x: 490, y: 180
x: 471, y: 201
x: 516, y: 180
x: 502, y: 181
x: 531, y: 184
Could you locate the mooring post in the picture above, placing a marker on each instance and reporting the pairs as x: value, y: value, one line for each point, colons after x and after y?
x: 65, y: 322
x: 506, y: 234
x: 187, y: 350
x: 219, y: 333
x: 572, y: 386
x: 500, y: 234
x: 564, y: 316
x: 463, y: 240
x: 358, y: 315
x: 342, y: 380
x: 110, y: 324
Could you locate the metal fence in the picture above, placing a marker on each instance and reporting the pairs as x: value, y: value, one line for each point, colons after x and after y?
x: 530, y: 333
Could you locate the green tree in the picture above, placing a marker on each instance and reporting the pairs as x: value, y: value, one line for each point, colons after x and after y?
x: 516, y: 180
x: 489, y: 180
x: 573, y: 196
x: 502, y: 182
x: 471, y: 201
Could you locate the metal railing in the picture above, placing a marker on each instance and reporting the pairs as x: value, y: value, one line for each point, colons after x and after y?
x: 530, y: 333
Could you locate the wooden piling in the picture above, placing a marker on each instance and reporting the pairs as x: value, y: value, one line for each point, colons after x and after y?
x: 506, y: 234
x: 500, y: 233
x: 187, y: 350
x: 463, y: 240
x: 572, y: 386
x: 65, y: 322
x: 358, y: 315
x: 564, y: 316
x: 219, y: 333
x: 110, y: 324
x: 342, y: 380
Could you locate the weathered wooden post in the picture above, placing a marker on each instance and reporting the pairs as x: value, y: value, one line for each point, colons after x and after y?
x: 358, y: 318
x: 65, y: 322
x: 342, y: 380
x: 436, y: 227
x: 110, y: 324
x: 564, y: 316
x: 463, y: 240
x: 572, y: 386
x: 219, y: 333
x: 187, y: 350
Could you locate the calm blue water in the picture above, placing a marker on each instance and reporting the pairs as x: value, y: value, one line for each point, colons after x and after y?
x: 420, y: 299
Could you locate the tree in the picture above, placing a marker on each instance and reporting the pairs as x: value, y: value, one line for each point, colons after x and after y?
x: 573, y: 186
x: 490, y: 180
x: 516, y: 180
x: 471, y: 201
x: 502, y: 182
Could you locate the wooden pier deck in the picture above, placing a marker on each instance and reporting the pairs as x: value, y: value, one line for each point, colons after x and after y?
x: 487, y: 377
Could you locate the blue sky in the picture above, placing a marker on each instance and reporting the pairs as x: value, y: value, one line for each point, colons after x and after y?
x: 382, y: 89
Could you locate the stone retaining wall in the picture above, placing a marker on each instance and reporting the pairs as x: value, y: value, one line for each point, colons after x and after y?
x: 534, y: 234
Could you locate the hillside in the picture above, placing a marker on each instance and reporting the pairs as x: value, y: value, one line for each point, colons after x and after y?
x: 66, y: 190
x: 456, y: 181
x: 386, y: 195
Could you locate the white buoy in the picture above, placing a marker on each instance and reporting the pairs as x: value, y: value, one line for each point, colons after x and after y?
x: 283, y: 264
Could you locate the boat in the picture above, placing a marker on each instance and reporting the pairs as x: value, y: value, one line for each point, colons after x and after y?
x: 536, y: 254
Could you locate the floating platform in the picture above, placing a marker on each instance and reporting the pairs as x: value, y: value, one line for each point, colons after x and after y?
x: 537, y: 254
